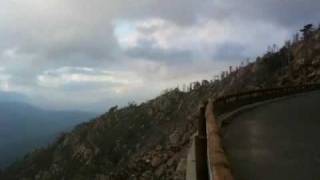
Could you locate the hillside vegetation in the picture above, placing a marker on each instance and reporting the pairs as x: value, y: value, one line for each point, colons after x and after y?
x: 151, y: 140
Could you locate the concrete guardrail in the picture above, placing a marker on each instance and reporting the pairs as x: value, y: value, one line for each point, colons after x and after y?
x: 210, y: 160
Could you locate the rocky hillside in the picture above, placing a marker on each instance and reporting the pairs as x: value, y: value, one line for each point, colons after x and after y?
x: 151, y: 140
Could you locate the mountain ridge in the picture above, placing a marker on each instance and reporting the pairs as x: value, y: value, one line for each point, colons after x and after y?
x: 151, y: 140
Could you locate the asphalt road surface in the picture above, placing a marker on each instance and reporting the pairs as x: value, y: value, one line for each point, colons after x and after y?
x: 278, y: 140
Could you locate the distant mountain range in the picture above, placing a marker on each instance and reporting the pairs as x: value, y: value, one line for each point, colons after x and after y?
x: 24, y: 127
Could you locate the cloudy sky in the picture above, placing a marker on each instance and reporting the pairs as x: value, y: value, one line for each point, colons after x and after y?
x: 88, y: 55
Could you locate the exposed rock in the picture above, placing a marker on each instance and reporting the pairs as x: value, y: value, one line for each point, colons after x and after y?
x: 156, y: 160
x: 172, y: 160
x: 160, y: 171
x: 82, y: 153
x: 102, y: 177
x: 174, y: 138
x: 182, y: 165
x: 159, y: 148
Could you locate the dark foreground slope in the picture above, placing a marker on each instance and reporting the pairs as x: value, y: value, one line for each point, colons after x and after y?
x: 150, y: 140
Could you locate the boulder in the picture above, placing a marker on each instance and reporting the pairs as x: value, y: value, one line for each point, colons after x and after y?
x: 156, y: 160
x: 174, y: 138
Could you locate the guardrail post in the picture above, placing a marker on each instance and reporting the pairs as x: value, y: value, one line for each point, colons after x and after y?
x: 201, y: 147
x: 202, y: 122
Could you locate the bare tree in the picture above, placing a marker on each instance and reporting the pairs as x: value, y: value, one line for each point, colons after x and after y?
x: 230, y: 69
x: 205, y: 83
x: 184, y: 87
x: 197, y: 85
x: 307, y: 31
x: 248, y: 61
x: 287, y: 44
x: 296, y: 38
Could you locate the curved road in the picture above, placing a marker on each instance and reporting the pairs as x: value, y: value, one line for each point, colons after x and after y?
x: 276, y: 141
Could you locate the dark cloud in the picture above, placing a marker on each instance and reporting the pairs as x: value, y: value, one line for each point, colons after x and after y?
x: 192, y: 37
x: 286, y: 13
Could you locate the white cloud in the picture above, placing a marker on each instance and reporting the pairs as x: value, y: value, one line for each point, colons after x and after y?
x: 68, y: 53
x: 4, y: 80
x: 156, y: 37
x: 68, y: 75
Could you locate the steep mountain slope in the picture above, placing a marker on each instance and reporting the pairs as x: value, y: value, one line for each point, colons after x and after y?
x: 150, y: 140
x: 24, y: 127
